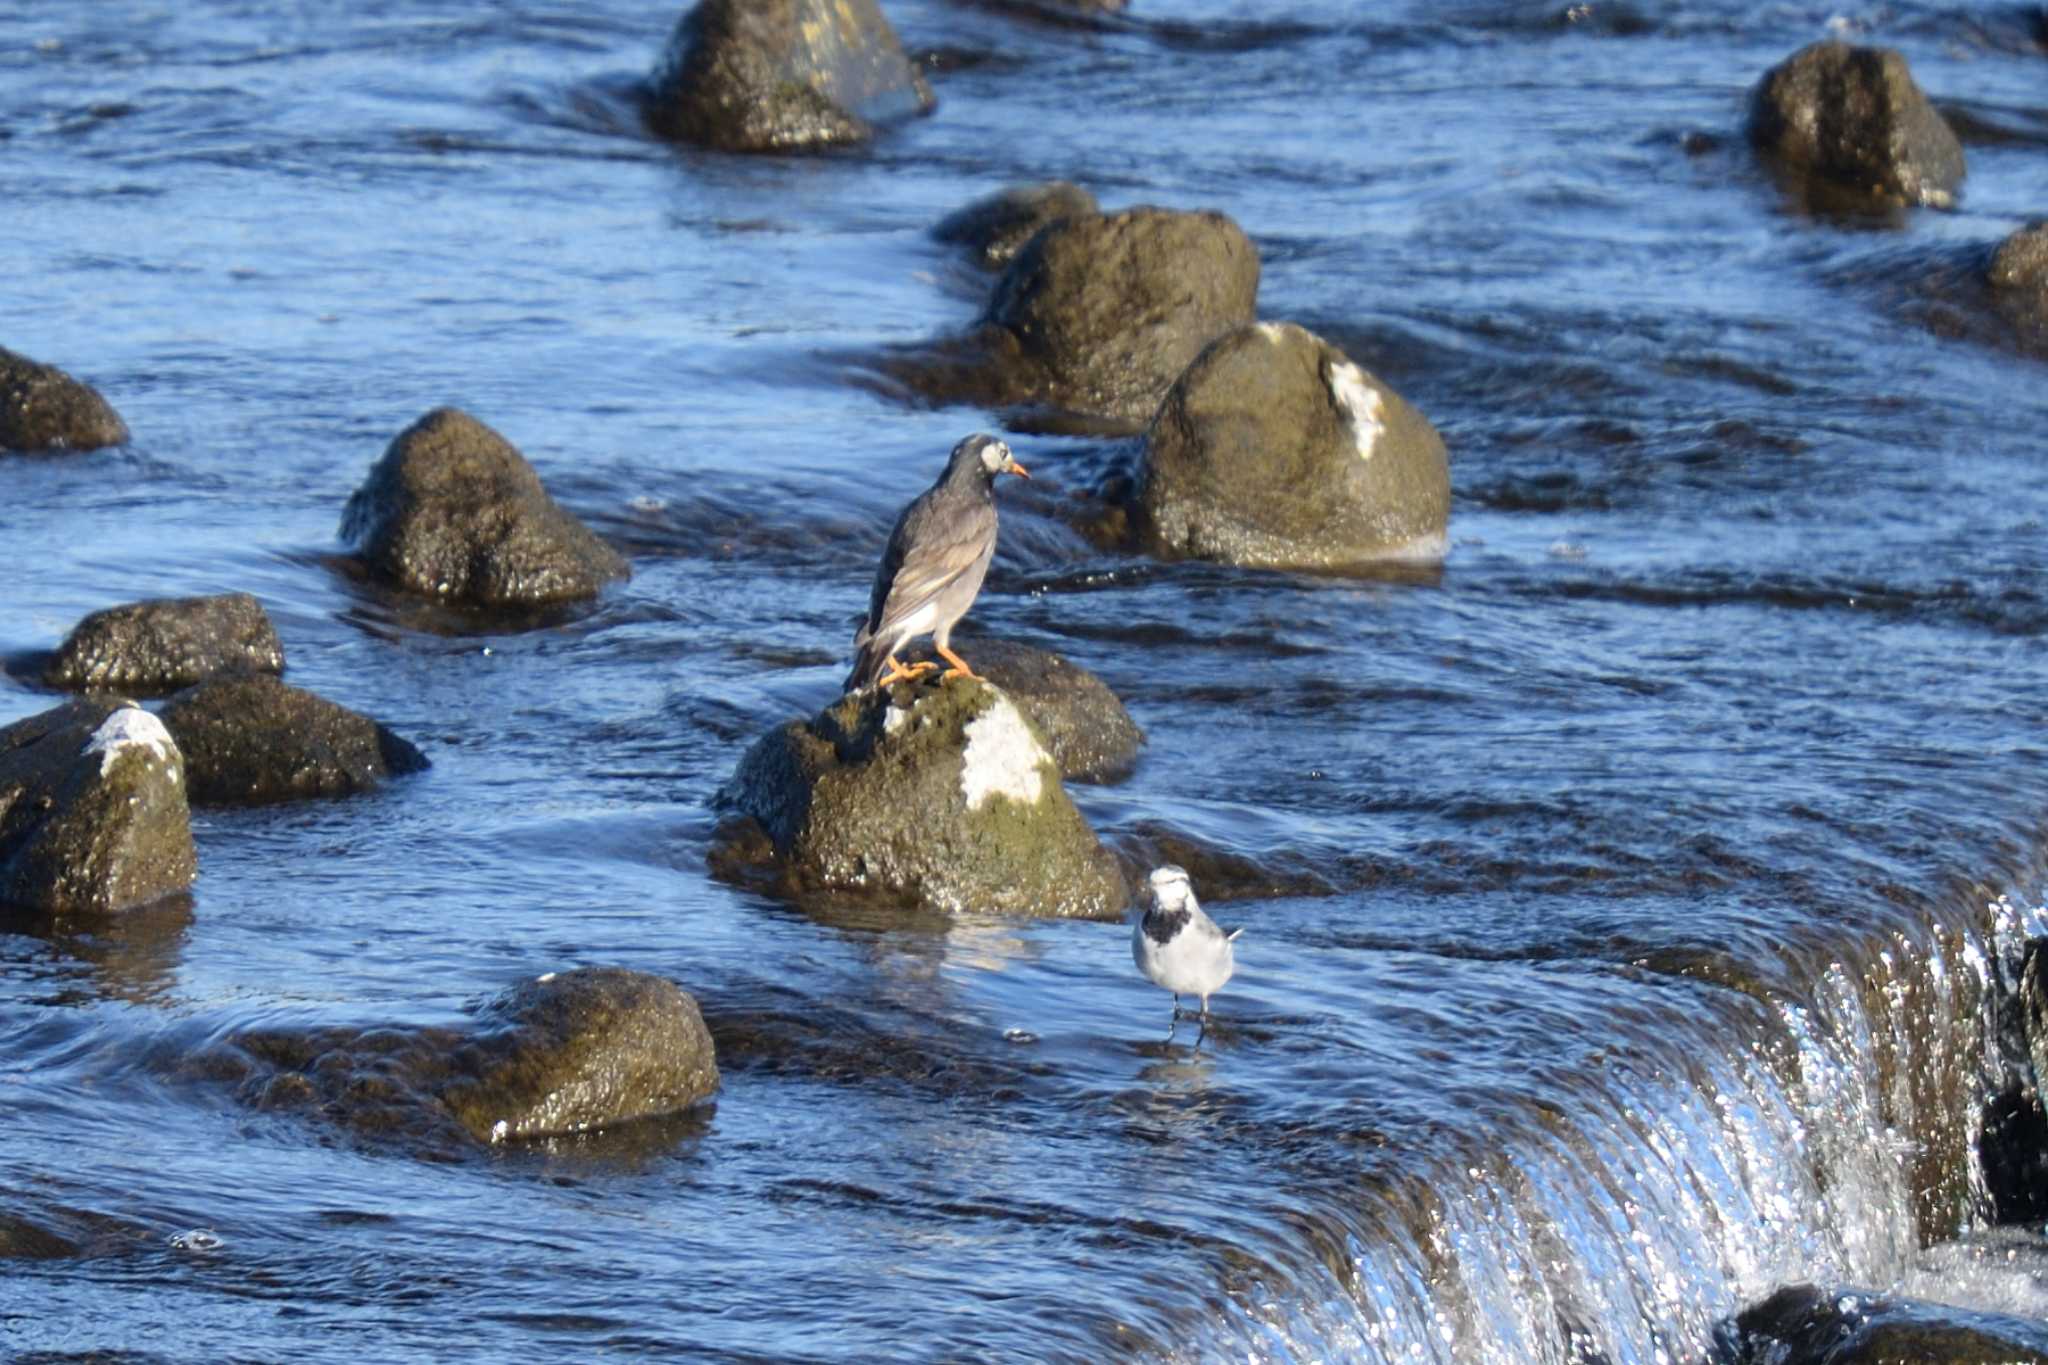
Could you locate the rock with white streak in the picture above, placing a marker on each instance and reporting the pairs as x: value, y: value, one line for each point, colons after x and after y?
x: 942, y: 794
x: 92, y: 809
x: 1276, y: 450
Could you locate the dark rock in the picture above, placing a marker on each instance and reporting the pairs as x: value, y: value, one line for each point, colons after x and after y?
x: 255, y: 739
x: 2019, y: 274
x: 996, y: 228
x: 949, y: 800
x: 1085, y: 728
x: 1853, y: 116
x: 2012, y: 1153
x: 158, y: 646
x: 23, y: 1240
x: 453, y: 511
x: 92, y: 809
x: 577, y: 1050
x: 1274, y: 449
x: 43, y: 408
x: 783, y: 75
x: 1805, y: 1325
x: 1101, y: 312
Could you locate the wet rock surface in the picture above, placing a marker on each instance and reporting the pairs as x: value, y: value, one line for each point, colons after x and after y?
x: 1854, y: 118
x: 2018, y: 276
x: 996, y: 228
x: 941, y: 794
x: 1085, y: 727
x: 1274, y: 449
x: 255, y: 739
x: 1806, y: 1325
x: 43, y: 408
x: 783, y: 75
x: 92, y: 809
x: 453, y: 511
x: 567, y: 1052
x: 158, y: 646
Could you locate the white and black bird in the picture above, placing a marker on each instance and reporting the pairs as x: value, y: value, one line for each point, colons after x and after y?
x: 1177, y: 946
x: 932, y: 570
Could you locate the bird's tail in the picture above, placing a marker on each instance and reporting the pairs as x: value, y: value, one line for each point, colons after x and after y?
x: 1231, y: 937
x: 870, y: 662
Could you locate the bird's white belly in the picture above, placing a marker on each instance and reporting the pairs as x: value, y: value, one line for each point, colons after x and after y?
x: 1192, y: 964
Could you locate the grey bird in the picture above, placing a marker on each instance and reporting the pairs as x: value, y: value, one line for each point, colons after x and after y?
x: 1179, y: 947
x: 932, y: 570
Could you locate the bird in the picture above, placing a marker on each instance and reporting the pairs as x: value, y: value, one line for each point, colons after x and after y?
x: 933, y: 566
x: 1177, y: 946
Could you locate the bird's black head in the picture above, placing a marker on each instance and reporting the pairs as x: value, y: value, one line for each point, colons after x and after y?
x: 982, y: 456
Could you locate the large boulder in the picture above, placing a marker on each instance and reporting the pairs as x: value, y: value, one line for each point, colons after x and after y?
x: 160, y: 645
x: 255, y: 739
x: 577, y: 1050
x: 996, y: 228
x: 1806, y: 1325
x: 1853, y: 117
x: 1085, y: 727
x: 454, y: 512
x: 43, y: 408
x: 1101, y: 312
x: 946, y: 797
x: 92, y: 809
x: 1274, y: 449
x: 783, y: 75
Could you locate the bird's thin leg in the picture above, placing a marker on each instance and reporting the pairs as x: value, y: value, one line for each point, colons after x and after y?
x: 959, y: 668
x: 898, y: 671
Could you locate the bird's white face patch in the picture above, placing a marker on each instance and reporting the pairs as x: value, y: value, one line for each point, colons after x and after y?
x: 1002, y: 758
x: 1361, y: 405
x: 131, y: 727
x: 995, y: 457
x: 1169, y: 886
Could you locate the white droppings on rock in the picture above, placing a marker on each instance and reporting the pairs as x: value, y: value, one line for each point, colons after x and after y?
x: 1002, y: 757
x: 545, y: 977
x: 1275, y: 332
x: 1361, y: 405
x: 131, y: 727
x: 894, y: 719
x: 500, y: 1131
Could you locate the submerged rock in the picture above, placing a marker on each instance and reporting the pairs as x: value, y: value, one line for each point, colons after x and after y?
x: 1274, y: 449
x: 1106, y: 310
x: 1852, y: 116
x: 1806, y: 1325
x: 783, y: 75
x: 949, y: 799
x: 160, y: 645
x: 92, y: 809
x: 453, y: 511
x: 256, y: 739
x: 2018, y: 274
x: 43, y: 408
x: 996, y: 228
x: 1085, y: 727
x: 577, y: 1050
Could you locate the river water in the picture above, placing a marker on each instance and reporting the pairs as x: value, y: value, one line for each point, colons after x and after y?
x: 1622, y: 903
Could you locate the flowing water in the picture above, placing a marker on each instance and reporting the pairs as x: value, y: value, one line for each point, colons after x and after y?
x: 1622, y: 903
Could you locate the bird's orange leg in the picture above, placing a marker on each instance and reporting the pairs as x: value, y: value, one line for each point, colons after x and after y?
x: 959, y: 668
x: 899, y: 671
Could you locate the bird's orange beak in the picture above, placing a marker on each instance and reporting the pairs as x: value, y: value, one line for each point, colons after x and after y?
x: 1019, y: 470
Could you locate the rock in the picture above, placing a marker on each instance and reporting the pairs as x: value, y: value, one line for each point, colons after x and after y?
x: 950, y: 800
x: 1275, y: 450
x: 92, y: 809
x: 2019, y: 273
x: 453, y: 511
x: 23, y: 1240
x: 255, y: 739
x: 1106, y: 310
x: 1805, y: 1325
x: 783, y: 75
x: 577, y: 1050
x: 158, y: 646
x: 43, y: 408
x: 995, y: 229
x: 1853, y: 116
x: 1085, y: 728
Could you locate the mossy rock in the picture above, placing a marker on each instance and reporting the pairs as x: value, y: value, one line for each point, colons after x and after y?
x: 160, y: 645
x: 255, y: 740
x: 1854, y: 117
x: 42, y: 408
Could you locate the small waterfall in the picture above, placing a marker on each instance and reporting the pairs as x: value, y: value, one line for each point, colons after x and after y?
x: 1815, y: 1119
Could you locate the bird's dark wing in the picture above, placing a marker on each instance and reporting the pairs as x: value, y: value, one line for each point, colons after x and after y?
x: 938, y: 540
